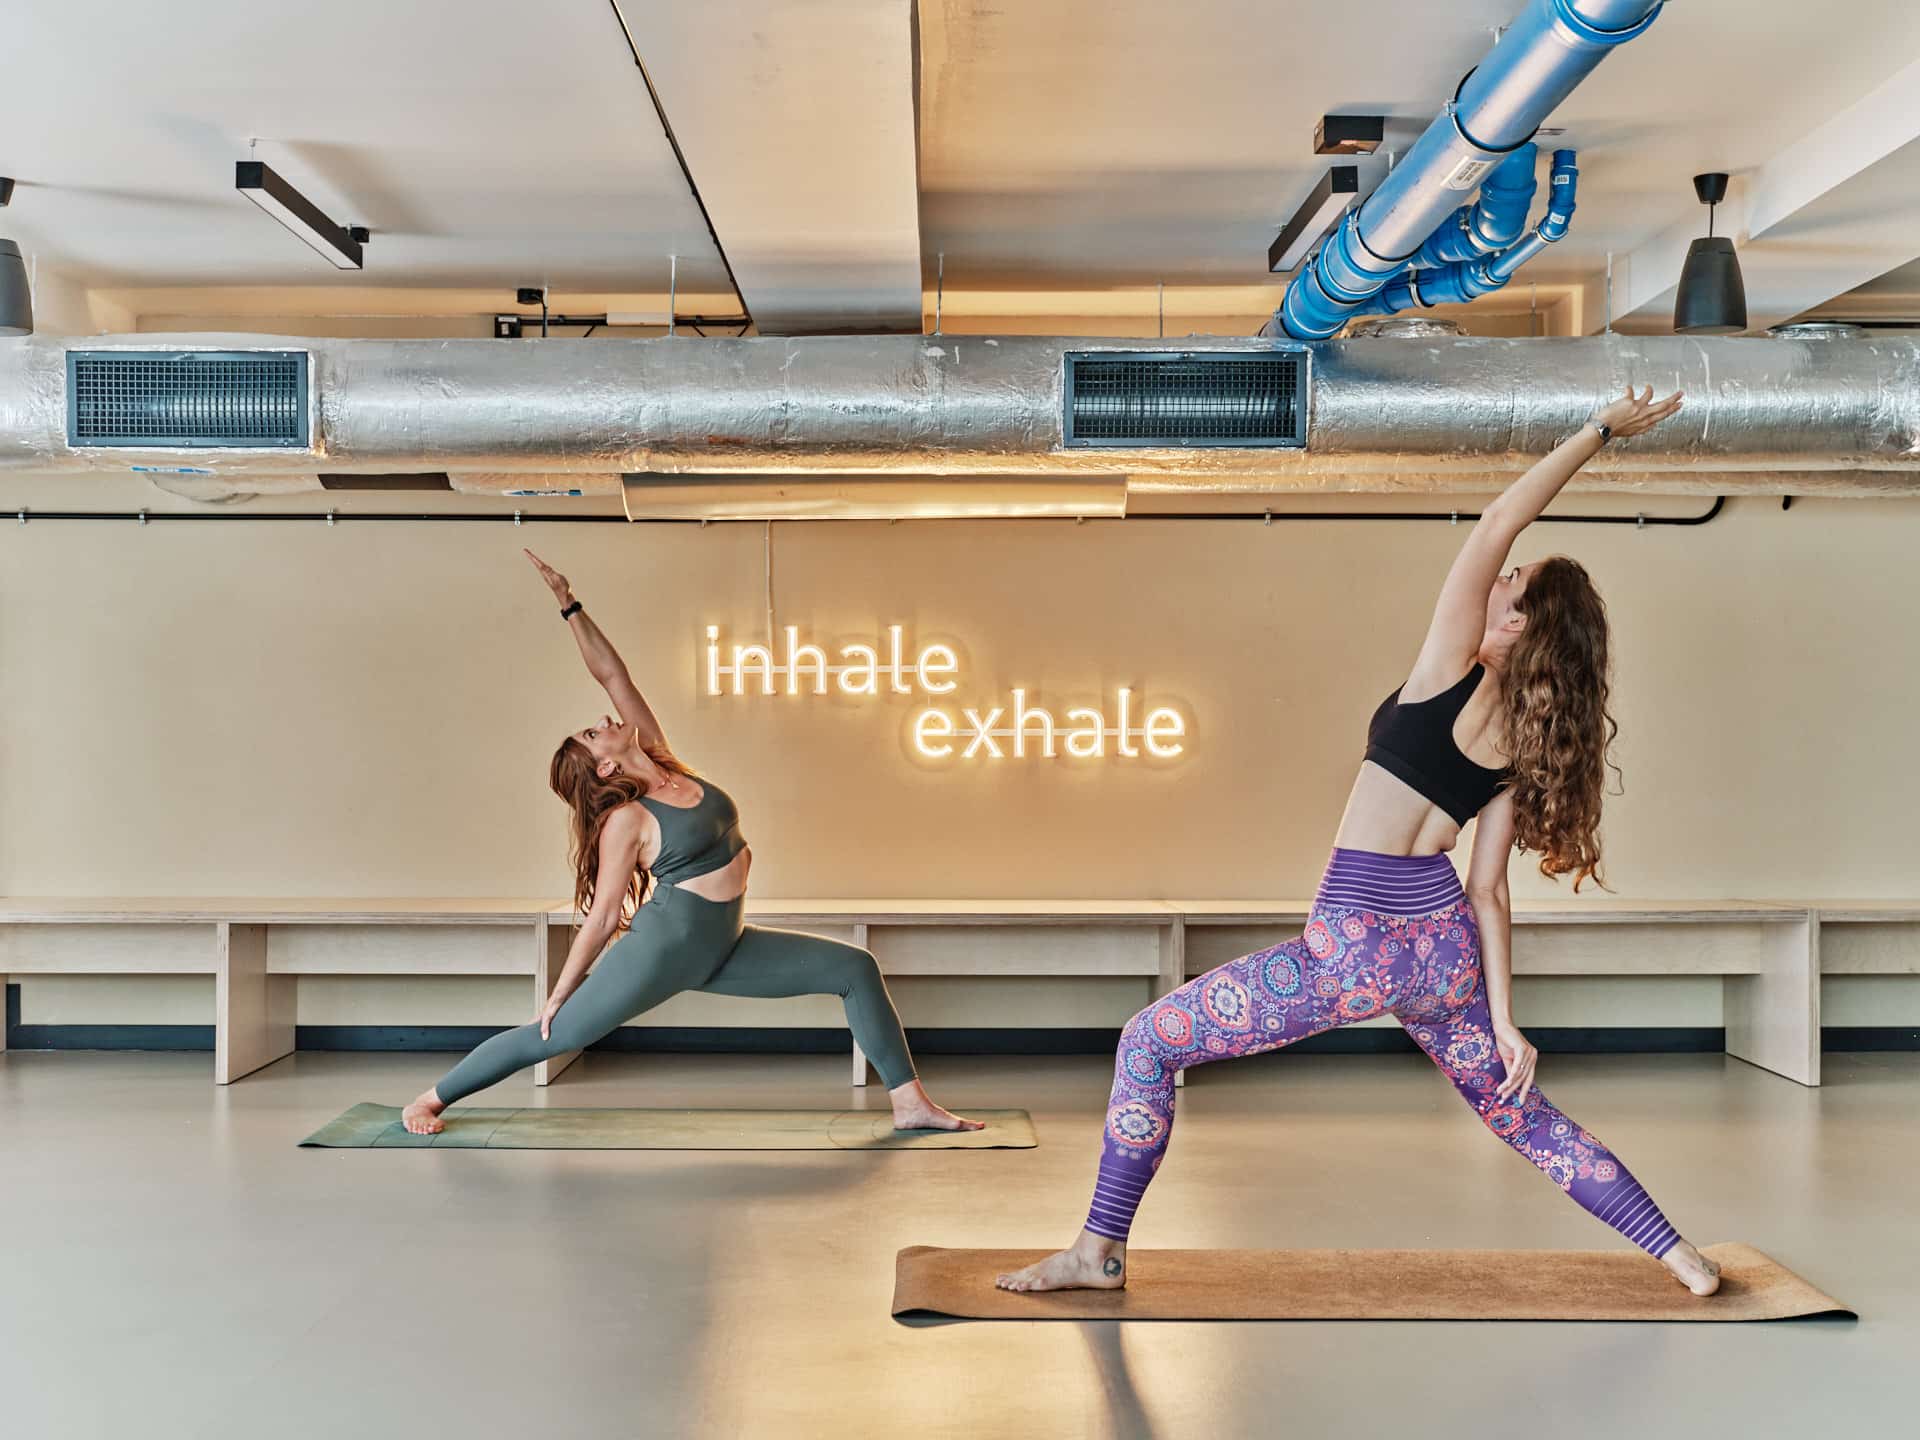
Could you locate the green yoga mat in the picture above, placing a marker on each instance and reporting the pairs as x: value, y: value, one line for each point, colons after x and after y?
x: 368, y: 1127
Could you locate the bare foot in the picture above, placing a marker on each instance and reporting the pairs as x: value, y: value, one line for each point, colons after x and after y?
x: 912, y: 1110
x: 1092, y: 1263
x: 1692, y: 1269
x: 422, y: 1117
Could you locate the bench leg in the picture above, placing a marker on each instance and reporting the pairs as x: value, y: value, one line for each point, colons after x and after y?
x: 859, y: 1055
x: 253, y: 1011
x: 1773, y: 1018
x: 551, y: 941
x: 1173, y: 970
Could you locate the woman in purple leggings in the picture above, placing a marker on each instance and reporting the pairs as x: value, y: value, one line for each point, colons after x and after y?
x: 1504, y: 717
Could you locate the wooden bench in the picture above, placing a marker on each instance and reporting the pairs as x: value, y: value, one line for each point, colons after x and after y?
x: 1868, y: 937
x: 255, y: 947
x: 1767, y: 953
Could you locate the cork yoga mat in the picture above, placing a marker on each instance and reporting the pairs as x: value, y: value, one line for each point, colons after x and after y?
x: 377, y: 1127
x: 1364, y: 1285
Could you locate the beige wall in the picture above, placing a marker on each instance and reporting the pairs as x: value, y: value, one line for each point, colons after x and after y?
x: 368, y: 710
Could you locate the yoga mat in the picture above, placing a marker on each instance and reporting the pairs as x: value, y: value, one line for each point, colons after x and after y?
x: 366, y: 1127
x: 1364, y: 1285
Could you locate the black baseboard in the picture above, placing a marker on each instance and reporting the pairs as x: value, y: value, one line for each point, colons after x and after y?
x: 937, y: 1040
x: 1870, y: 1037
x: 391, y: 1037
x: 100, y: 1037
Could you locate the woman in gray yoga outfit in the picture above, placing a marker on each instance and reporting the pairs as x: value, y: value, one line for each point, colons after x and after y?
x: 660, y: 869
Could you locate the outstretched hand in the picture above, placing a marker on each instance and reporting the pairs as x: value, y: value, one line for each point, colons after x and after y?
x: 556, y: 582
x: 1635, y: 414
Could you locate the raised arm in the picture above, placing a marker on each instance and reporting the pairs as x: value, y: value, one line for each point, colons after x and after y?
x: 1460, y: 616
x: 602, y: 660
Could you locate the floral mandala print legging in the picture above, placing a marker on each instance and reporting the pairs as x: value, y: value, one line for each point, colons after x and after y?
x: 1351, y: 964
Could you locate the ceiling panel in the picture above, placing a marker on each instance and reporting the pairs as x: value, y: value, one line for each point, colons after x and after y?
x: 486, y: 143
x: 797, y: 121
x: 1089, y: 142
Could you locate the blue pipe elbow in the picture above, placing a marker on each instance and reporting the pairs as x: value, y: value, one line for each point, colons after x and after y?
x: 1561, y: 186
x: 1494, y: 221
x: 1550, y: 48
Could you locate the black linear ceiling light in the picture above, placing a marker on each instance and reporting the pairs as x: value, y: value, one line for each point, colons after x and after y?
x: 338, y: 245
x: 1712, y: 298
x: 1327, y: 203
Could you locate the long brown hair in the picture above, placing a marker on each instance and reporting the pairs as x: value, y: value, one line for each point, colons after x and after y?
x: 592, y: 799
x: 1558, y: 729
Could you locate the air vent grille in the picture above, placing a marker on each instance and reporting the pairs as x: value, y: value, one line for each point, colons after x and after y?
x: 254, y: 399
x: 1186, y: 398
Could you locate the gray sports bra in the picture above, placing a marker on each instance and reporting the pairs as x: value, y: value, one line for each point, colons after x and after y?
x: 696, y: 839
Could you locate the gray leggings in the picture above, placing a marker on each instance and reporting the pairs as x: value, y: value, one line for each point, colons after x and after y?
x: 682, y: 941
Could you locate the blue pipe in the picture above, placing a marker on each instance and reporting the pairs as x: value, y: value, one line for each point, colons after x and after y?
x: 1550, y: 48
x: 1491, y: 223
x: 1465, y: 280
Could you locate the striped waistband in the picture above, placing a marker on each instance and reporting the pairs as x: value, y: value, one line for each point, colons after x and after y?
x: 1389, y: 884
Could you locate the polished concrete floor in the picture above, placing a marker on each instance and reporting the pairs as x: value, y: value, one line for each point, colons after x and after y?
x: 176, y: 1267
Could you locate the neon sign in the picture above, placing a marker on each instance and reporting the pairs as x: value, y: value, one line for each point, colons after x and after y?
x: 941, y: 730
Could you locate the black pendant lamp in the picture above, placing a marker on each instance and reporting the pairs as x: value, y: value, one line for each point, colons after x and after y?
x: 1712, y: 298
x: 16, y: 298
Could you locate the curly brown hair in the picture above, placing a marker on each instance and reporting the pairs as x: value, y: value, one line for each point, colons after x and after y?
x: 1558, y: 729
x: 592, y: 799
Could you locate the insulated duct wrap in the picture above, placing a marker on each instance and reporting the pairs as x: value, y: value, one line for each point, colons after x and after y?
x: 1438, y: 414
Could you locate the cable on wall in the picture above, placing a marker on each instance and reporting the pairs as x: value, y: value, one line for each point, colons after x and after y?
x: 24, y: 515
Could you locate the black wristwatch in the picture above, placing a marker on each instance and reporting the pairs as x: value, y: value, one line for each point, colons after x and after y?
x: 568, y: 612
x: 1605, y: 430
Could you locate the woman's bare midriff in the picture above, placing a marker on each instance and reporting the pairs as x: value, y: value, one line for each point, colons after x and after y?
x: 727, y: 883
x: 1386, y: 815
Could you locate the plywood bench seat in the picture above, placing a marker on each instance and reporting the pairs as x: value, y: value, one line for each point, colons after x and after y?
x: 1769, y: 953
x: 255, y: 946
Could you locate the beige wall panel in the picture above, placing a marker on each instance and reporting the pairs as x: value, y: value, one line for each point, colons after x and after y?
x: 1014, y: 950
x: 1074, y: 1003
x: 1868, y: 999
x: 1585, y: 1000
x: 116, y: 999
x: 369, y: 710
x: 403, y: 1000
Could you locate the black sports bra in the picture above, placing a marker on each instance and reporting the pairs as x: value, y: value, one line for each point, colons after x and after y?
x: 1414, y: 743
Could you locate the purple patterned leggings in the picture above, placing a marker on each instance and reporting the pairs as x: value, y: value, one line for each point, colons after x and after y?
x: 1387, y: 935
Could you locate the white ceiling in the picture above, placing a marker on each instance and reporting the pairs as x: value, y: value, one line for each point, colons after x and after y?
x: 1132, y: 140
x: 486, y: 142
x: 797, y: 121
x: 1063, y: 144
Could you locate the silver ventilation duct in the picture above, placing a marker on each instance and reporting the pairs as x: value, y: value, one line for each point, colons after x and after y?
x: 874, y: 497
x: 1440, y: 414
